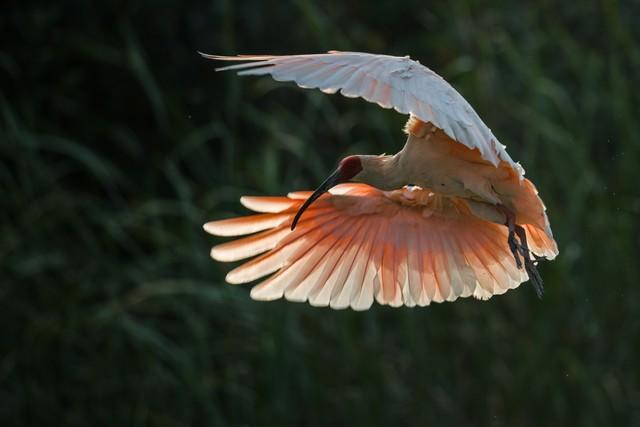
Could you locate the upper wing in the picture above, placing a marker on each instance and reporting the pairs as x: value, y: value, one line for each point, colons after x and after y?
x: 358, y: 243
x: 392, y: 82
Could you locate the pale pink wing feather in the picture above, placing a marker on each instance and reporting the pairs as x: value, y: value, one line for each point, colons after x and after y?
x: 389, y: 81
x: 359, y: 244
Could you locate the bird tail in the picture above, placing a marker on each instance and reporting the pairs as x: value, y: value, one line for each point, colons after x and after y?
x: 531, y: 213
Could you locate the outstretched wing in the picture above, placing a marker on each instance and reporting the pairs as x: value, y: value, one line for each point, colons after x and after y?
x: 392, y: 82
x: 358, y: 243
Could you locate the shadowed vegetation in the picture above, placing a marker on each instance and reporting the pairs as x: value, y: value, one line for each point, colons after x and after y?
x: 117, y: 142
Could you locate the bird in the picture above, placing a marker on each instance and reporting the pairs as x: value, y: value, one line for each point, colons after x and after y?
x: 450, y: 215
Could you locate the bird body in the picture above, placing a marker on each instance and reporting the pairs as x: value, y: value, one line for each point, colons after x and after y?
x: 432, y: 160
x: 450, y: 215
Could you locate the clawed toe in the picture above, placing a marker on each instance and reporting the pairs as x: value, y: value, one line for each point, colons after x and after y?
x: 534, y: 277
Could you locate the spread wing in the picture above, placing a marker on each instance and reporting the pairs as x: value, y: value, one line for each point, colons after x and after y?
x: 391, y: 82
x: 358, y: 243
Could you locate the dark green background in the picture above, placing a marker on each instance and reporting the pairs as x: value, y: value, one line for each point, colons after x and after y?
x: 117, y: 142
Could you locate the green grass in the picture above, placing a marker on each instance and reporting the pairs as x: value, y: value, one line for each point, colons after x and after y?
x: 117, y: 142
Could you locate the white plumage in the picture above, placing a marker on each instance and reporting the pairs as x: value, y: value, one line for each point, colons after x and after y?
x: 450, y: 215
x: 389, y: 81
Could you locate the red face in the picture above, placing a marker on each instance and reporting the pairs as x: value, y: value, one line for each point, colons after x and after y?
x: 349, y: 167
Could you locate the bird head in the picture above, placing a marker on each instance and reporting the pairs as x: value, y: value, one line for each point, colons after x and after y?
x: 347, y: 170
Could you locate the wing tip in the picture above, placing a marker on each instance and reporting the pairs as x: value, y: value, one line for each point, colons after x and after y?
x: 221, y: 228
x: 218, y: 255
x: 259, y: 293
x: 211, y: 227
x: 248, y: 60
x: 215, y: 58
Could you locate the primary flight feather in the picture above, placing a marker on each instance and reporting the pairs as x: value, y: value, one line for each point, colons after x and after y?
x: 449, y: 215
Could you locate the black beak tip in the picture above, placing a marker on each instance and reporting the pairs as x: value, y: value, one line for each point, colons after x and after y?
x: 294, y: 223
x: 331, y: 181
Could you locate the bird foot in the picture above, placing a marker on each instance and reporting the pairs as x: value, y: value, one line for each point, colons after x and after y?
x: 521, y: 249
x: 534, y: 276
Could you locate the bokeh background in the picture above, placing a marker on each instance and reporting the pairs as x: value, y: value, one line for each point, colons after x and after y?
x: 117, y: 142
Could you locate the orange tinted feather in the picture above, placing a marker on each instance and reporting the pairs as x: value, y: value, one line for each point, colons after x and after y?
x: 404, y: 247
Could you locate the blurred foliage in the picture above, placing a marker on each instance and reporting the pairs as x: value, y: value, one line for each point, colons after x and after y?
x: 117, y: 142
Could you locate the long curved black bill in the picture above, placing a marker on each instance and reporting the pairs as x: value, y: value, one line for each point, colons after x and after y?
x: 328, y: 183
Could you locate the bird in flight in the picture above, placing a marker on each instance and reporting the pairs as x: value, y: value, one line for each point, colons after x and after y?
x: 450, y: 215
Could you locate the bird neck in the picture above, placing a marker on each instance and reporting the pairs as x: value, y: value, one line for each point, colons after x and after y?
x: 383, y: 172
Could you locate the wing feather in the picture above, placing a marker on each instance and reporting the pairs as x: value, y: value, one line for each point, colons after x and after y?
x: 352, y: 275
x: 266, y: 204
x: 363, y: 244
x: 245, y: 225
x: 392, y: 82
x: 430, y: 285
x: 483, y: 276
x: 441, y: 273
x: 317, y: 297
x: 304, y: 237
x: 403, y: 291
x: 339, y: 271
x: 248, y: 246
x: 504, y: 275
x: 275, y: 286
x: 299, y: 291
x: 387, y: 274
x: 414, y: 266
x: 462, y: 274
x: 365, y: 294
x: 489, y: 238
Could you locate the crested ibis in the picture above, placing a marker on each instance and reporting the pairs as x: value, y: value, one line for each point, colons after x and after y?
x: 449, y: 215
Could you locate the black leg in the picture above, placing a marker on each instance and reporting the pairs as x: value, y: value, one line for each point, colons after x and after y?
x: 513, y: 244
x: 521, y: 248
x: 529, y: 264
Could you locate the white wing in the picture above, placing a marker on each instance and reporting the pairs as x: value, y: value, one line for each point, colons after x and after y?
x: 391, y: 82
